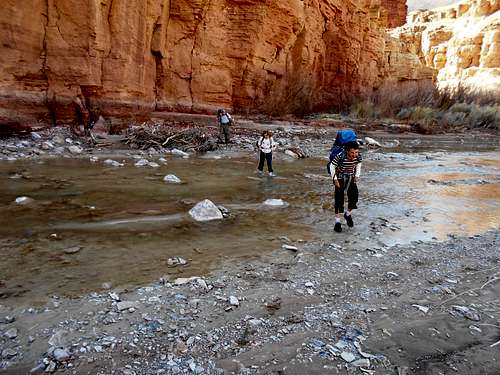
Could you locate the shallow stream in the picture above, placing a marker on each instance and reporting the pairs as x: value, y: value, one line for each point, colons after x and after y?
x: 91, y: 224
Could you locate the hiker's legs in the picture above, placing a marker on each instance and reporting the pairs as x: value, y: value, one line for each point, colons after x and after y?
x: 262, y: 157
x: 225, y: 128
x: 352, y: 200
x: 339, y: 199
x: 222, y: 133
x: 269, y: 159
x: 339, y: 206
x: 352, y: 197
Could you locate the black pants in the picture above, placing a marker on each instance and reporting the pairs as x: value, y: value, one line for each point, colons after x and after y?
x: 352, y: 195
x: 224, y: 133
x: 269, y: 158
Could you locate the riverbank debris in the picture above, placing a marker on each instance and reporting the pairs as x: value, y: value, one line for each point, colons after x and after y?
x: 189, y: 138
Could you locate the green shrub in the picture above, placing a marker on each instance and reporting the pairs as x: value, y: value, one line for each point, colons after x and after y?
x: 364, y: 109
x: 404, y: 114
x: 487, y: 117
x: 461, y: 108
x: 454, y: 119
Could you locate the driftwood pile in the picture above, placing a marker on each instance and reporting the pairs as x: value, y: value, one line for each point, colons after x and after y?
x: 183, y: 136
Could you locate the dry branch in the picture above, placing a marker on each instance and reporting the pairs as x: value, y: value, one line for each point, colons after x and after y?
x: 184, y: 136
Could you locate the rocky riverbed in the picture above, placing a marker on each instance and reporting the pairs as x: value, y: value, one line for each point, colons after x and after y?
x: 413, y: 289
x: 425, y: 308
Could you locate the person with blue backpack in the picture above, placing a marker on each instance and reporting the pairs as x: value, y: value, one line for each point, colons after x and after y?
x: 344, y: 167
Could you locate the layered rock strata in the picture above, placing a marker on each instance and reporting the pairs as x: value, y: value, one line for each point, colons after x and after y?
x: 396, y: 12
x: 461, y: 42
x: 68, y: 60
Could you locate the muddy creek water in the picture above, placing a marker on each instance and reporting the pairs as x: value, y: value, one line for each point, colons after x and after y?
x: 90, y: 224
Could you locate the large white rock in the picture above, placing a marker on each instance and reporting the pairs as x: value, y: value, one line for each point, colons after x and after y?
x: 205, y: 210
x: 185, y: 280
x: 141, y: 163
x: 75, y: 150
x: 35, y: 136
x: 24, y: 200
x: 275, y: 202
x: 180, y: 153
x: 172, y: 179
x: 113, y: 163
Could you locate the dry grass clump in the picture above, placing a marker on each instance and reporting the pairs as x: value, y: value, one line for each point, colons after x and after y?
x: 425, y: 106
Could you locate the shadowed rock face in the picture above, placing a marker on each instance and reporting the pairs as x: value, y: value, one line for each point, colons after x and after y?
x: 66, y: 59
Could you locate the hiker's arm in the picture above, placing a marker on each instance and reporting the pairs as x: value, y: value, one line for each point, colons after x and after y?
x: 333, y: 172
x: 335, y: 178
x: 358, y: 172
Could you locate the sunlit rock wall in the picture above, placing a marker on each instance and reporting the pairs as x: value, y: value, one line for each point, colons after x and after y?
x: 461, y: 42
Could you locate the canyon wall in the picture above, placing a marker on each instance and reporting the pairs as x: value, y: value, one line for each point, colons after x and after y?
x: 396, y: 12
x: 461, y: 42
x: 128, y: 58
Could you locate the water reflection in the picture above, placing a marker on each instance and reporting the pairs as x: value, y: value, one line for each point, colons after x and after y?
x: 128, y: 222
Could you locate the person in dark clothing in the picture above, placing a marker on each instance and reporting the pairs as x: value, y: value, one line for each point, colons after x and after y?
x: 225, y: 121
x: 346, y: 169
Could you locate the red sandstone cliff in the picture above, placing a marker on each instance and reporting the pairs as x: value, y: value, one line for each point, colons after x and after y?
x: 397, y: 11
x: 128, y: 58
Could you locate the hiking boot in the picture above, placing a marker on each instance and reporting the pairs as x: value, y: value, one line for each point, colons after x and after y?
x: 338, y: 227
x: 348, y: 219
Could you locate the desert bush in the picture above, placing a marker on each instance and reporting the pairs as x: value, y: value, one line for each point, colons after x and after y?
x: 461, y: 108
x: 423, y: 104
x: 453, y: 119
x: 487, y: 117
x: 470, y: 116
x: 364, y: 109
x: 392, y: 98
x: 404, y: 114
x: 449, y: 96
x: 424, y: 114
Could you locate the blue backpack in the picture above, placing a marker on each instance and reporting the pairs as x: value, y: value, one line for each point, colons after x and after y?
x: 343, y: 137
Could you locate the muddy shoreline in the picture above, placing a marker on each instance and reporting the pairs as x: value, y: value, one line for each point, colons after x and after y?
x: 346, y: 305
